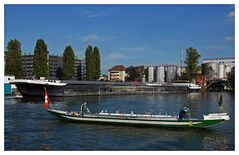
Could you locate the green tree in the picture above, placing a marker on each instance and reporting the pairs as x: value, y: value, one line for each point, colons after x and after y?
x: 97, y: 63
x: 207, y: 71
x: 231, y: 79
x: 90, y: 63
x: 146, y: 73
x: 59, y: 73
x: 13, y: 65
x: 192, y: 64
x: 142, y: 72
x: 68, y: 63
x: 40, y: 67
x: 135, y: 73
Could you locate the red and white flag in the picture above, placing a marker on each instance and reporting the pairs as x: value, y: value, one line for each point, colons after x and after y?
x: 47, y: 100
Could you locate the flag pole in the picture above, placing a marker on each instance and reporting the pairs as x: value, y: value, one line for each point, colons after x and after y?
x: 48, y: 99
x: 222, y: 103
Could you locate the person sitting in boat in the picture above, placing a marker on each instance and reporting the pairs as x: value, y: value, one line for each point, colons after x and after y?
x: 184, y: 113
x: 68, y: 113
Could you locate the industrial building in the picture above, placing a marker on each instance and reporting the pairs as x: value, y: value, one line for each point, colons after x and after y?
x: 160, y: 74
x: 220, y: 66
x: 151, y: 74
x: 163, y: 73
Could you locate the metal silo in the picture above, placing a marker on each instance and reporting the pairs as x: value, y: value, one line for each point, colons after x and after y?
x: 150, y: 74
x: 214, y: 66
x: 171, y: 73
x: 227, y: 69
x: 221, y: 71
x: 179, y: 70
x: 160, y: 74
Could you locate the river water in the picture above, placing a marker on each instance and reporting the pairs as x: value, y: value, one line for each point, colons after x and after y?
x: 28, y: 126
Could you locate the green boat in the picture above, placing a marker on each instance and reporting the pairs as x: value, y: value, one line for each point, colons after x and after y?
x: 143, y: 120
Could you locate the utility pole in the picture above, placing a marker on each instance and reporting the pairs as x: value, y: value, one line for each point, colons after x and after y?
x: 181, y: 57
x: 181, y: 61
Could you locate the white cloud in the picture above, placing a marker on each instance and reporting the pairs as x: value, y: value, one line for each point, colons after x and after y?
x: 91, y: 13
x: 133, y: 49
x: 96, y: 37
x: 91, y: 37
x: 69, y: 37
x: 229, y: 38
x: 116, y: 56
x: 231, y: 14
x: 217, y: 47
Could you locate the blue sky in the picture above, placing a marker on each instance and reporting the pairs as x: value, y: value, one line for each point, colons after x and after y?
x: 125, y: 34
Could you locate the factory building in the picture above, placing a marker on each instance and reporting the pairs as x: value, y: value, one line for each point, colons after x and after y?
x: 220, y: 66
x: 171, y: 73
x: 163, y: 73
x: 151, y: 74
x: 160, y: 74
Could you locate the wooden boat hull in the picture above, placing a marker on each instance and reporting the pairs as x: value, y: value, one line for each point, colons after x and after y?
x: 164, y: 122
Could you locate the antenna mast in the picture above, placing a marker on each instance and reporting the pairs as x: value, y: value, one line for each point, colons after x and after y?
x: 181, y: 57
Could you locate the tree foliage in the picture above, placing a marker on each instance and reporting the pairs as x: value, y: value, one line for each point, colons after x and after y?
x: 207, y: 71
x: 92, y: 60
x: 40, y: 67
x: 135, y: 73
x: 68, y: 63
x: 96, y: 55
x: 231, y: 78
x: 89, y: 60
x: 192, y: 64
x: 13, y: 65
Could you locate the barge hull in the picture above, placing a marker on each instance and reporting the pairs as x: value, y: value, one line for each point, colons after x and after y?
x: 84, y: 88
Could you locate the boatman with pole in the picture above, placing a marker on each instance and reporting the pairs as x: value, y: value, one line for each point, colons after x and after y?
x: 184, y: 113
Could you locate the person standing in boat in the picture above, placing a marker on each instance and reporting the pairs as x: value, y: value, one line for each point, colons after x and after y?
x: 184, y: 113
x: 84, y: 109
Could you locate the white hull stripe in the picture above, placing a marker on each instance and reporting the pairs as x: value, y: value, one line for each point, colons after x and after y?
x: 40, y: 82
x: 130, y: 121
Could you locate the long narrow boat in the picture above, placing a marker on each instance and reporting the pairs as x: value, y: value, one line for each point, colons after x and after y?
x: 132, y: 119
